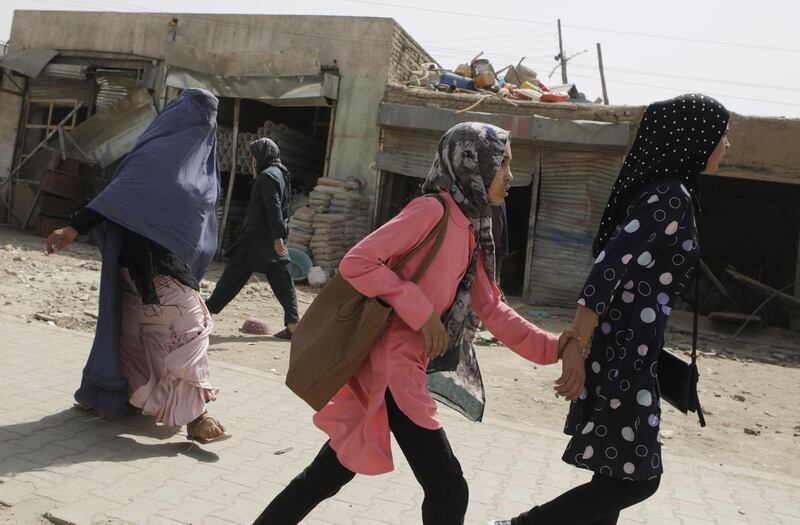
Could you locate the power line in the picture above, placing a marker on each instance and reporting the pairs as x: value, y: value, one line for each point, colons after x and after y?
x: 485, y: 17
x: 584, y: 28
x: 539, y: 39
x: 469, y: 53
x: 645, y: 73
x: 696, y: 78
x: 721, y: 95
x: 447, y: 51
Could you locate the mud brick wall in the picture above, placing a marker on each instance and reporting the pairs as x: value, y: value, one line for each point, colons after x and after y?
x: 407, y: 56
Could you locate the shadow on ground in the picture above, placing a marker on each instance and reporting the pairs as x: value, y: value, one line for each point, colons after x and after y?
x: 74, y: 436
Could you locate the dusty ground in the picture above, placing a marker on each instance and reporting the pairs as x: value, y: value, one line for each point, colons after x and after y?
x: 749, y: 390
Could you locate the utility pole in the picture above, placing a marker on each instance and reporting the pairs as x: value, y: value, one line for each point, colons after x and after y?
x: 602, y: 73
x: 561, y: 56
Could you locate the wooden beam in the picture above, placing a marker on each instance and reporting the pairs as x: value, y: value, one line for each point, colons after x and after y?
x: 764, y: 288
x: 232, y: 179
x: 782, y: 176
x: 390, y: 161
x: 736, y: 319
x: 329, y: 141
x: 794, y: 322
x: 530, y: 128
x: 718, y: 284
x: 536, y: 182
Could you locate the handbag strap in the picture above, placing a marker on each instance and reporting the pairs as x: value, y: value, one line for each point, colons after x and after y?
x: 438, y: 232
x: 695, y: 325
x: 696, y: 315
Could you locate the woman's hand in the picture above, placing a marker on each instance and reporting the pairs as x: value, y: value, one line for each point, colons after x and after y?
x: 280, y: 248
x: 60, y: 239
x: 565, y: 337
x: 573, y: 371
x: 435, y: 336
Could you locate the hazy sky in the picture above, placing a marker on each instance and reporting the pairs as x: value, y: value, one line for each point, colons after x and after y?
x: 747, y: 54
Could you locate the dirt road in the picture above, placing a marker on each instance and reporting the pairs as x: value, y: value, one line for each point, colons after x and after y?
x: 749, y: 391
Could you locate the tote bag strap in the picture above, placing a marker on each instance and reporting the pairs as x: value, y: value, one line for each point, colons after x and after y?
x: 696, y: 314
x: 438, y: 233
x: 695, y: 326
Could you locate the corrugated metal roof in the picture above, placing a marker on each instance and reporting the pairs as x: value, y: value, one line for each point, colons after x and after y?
x: 74, y: 71
x: 47, y: 88
x: 410, y: 152
x: 572, y: 196
x: 29, y: 62
x: 112, y: 88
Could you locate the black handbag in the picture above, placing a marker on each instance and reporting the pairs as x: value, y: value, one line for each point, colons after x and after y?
x: 677, y: 378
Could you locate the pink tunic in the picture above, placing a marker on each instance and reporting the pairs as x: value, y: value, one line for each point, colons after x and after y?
x: 356, y: 418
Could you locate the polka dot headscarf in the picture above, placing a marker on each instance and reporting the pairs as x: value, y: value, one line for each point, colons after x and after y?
x: 675, y: 139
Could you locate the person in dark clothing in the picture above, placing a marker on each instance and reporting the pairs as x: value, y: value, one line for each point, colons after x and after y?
x: 500, y: 234
x: 260, y: 244
x: 156, y: 225
x: 646, y: 251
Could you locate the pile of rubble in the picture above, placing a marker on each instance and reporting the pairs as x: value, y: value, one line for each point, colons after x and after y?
x: 479, y: 76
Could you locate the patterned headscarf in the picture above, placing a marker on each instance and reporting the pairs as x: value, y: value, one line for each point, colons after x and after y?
x: 675, y: 139
x: 267, y: 154
x: 467, y: 158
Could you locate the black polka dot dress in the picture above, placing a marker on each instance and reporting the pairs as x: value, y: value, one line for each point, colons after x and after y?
x: 648, y: 259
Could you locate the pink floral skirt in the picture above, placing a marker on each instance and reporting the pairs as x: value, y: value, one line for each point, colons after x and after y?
x: 164, y: 351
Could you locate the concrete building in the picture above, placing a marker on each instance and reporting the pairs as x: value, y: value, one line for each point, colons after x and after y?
x: 322, y: 75
x: 567, y: 156
x: 337, y: 80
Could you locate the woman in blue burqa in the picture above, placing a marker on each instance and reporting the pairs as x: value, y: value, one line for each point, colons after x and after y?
x: 156, y: 225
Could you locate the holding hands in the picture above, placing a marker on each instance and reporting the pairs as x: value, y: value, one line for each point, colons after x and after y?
x: 573, y: 371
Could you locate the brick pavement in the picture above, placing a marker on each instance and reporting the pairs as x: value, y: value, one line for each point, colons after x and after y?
x: 86, y: 470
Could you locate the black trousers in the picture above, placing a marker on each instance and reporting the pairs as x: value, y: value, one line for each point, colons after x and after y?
x: 427, y: 451
x: 595, y: 503
x: 239, y: 270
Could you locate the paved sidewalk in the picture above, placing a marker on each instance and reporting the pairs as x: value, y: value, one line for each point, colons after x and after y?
x: 83, y: 470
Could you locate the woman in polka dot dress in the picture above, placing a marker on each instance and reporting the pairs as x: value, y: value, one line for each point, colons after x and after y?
x: 646, y: 250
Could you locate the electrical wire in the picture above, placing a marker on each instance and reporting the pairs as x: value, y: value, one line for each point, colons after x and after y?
x: 484, y: 16
x: 669, y: 88
x: 460, y: 53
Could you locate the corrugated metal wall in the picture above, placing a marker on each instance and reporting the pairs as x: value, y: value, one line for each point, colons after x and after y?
x: 112, y: 88
x: 572, y: 195
x: 48, y: 88
x: 410, y: 152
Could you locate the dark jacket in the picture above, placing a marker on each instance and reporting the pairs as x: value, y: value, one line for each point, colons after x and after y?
x: 266, y: 219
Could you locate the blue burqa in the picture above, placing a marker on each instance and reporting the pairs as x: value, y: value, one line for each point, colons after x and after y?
x: 166, y: 190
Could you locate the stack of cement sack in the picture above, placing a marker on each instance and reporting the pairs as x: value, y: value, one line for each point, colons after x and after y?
x: 320, y: 200
x: 330, y: 241
x: 339, y: 222
x: 356, y: 209
x: 301, y: 229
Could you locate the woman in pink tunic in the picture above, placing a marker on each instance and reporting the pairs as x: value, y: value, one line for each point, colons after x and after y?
x: 427, y: 348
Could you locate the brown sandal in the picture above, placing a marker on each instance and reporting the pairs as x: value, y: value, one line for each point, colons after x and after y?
x: 194, y: 426
x: 284, y: 334
x: 90, y: 410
